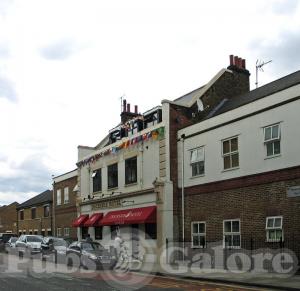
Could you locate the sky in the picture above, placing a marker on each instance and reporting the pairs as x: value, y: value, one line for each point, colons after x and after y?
x: 64, y: 64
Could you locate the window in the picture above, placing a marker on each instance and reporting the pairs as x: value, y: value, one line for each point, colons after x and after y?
x: 58, y: 231
x: 33, y: 213
x: 232, y: 234
x: 84, y: 232
x: 35, y: 232
x: 197, y: 161
x: 198, y: 234
x: 150, y: 231
x: 49, y: 232
x: 112, y: 174
x: 97, y: 180
x: 131, y: 170
x: 43, y: 232
x: 272, y: 140
x: 98, y: 232
x: 230, y: 153
x: 46, y: 211
x: 274, y: 229
x: 58, y: 197
x: 30, y: 231
x: 113, y: 231
x: 67, y: 232
x: 66, y: 195
x: 22, y: 215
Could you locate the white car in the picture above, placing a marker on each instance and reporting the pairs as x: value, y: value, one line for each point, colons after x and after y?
x: 29, y: 244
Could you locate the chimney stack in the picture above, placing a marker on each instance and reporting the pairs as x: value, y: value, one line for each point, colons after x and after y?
x: 135, y: 109
x: 128, y: 107
x: 236, y: 62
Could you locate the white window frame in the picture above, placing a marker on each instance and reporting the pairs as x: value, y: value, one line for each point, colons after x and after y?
x: 272, y: 140
x: 58, y: 197
x: 274, y: 228
x: 66, y: 231
x: 66, y: 194
x: 197, y: 160
x: 230, y: 153
x: 199, y: 234
x: 231, y: 233
x: 58, y: 232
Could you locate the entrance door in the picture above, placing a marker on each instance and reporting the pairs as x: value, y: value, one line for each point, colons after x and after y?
x: 135, y: 240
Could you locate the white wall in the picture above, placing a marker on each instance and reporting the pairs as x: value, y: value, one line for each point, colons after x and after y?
x: 252, y: 152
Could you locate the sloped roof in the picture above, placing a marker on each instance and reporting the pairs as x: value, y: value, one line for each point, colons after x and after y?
x: 39, y: 199
x: 261, y: 92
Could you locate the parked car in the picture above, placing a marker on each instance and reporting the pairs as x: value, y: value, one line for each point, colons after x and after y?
x: 10, y: 246
x: 54, y: 249
x: 90, y: 255
x: 29, y: 245
x: 4, y: 238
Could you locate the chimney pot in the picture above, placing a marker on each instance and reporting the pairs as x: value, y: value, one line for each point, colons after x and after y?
x: 243, y: 63
x: 240, y: 63
x: 128, y: 107
x: 236, y: 61
x: 124, y: 105
x: 231, y: 60
x: 135, y: 109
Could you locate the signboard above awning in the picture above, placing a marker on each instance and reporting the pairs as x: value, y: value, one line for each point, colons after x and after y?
x: 130, y: 216
x: 79, y: 221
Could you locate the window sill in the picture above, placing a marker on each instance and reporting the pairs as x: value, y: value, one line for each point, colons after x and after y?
x: 230, y: 169
x: 197, y: 176
x: 112, y: 188
x: 274, y: 241
x: 272, y: 157
x: 97, y: 193
x: 130, y: 184
x: 198, y: 247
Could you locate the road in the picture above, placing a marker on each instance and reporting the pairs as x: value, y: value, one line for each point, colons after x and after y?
x: 25, y: 279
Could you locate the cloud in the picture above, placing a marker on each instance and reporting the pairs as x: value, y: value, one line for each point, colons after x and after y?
x: 283, y: 6
x: 283, y: 51
x: 4, y: 51
x: 60, y: 50
x: 4, y: 5
x: 7, y: 89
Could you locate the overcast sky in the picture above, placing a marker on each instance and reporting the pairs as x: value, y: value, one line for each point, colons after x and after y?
x: 64, y: 65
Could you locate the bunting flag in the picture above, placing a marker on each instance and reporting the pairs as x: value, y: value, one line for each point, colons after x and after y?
x: 156, y: 134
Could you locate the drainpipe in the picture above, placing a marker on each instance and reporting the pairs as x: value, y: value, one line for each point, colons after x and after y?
x: 182, y: 192
x: 53, y: 229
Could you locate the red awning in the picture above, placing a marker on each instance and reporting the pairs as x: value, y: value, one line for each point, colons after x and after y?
x: 79, y: 221
x: 130, y: 216
x: 93, y: 220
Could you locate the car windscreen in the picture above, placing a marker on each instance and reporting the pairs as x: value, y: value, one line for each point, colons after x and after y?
x: 91, y: 246
x: 13, y: 239
x: 34, y: 239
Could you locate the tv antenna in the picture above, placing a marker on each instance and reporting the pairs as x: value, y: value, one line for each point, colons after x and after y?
x: 259, y: 66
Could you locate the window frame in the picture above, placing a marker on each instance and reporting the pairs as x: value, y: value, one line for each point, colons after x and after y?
x: 21, y: 214
x: 111, y: 175
x: 150, y: 230
x: 197, y: 161
x: 129, y: 170
x: 98, y: 235
x: 272, y: 140
x: 33, y: 210
x: 58, y: 232
x: 44, y: 208
x: 274, y: 228
x: 230, y: 153
x: 58, y: 195
x: 232, y: 233
x: 97, y: 174
x: 199, y: 234
x: 66, y: 231
x: 66, y: 193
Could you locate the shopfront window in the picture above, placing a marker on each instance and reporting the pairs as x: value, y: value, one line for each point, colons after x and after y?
x: 150, y: 231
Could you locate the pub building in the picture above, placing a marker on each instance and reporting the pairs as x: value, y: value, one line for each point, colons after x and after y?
x: 123, y: 186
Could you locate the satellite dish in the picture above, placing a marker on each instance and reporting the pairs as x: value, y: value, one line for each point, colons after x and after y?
x: 200, y: 105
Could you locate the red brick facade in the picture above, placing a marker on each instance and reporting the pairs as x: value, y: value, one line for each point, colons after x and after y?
x: 8, y: 218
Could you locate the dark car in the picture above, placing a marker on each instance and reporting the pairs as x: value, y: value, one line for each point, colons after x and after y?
x: 4, y: 238
x: 54, y: 249
x: 90, y: 255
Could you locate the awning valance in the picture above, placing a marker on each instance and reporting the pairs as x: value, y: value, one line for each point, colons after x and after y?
x: 79, y: 221
x: 94, y: 220
x: 130, y: 216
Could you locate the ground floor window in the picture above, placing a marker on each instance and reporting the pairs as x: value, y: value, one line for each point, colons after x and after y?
x: 232, y: 234
x: 58, y: 231
x: 20, y: 233
x: 274, y: 229
x: 113, y: 231
x: 98, y: 232
x: 84, y: 232
x: 150, y: 231
x: 67, y: 232
x: 198, y: 234
x: 49, y: 232
x: 30, y: 232
x: 43, y: 232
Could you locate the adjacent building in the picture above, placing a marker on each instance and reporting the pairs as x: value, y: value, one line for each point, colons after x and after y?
x: 8, y: 218
x: 35, y: 215
x: 64, y: 204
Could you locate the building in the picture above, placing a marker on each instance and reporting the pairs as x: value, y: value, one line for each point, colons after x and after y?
x: 64, y: 204
x: 124, y: 183
x: 239, y: 169
x: 8, y: 218
x: 35, y: 215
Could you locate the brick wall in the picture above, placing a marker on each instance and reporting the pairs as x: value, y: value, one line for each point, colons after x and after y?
x: 8, y: 218
x: 65, y: 214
